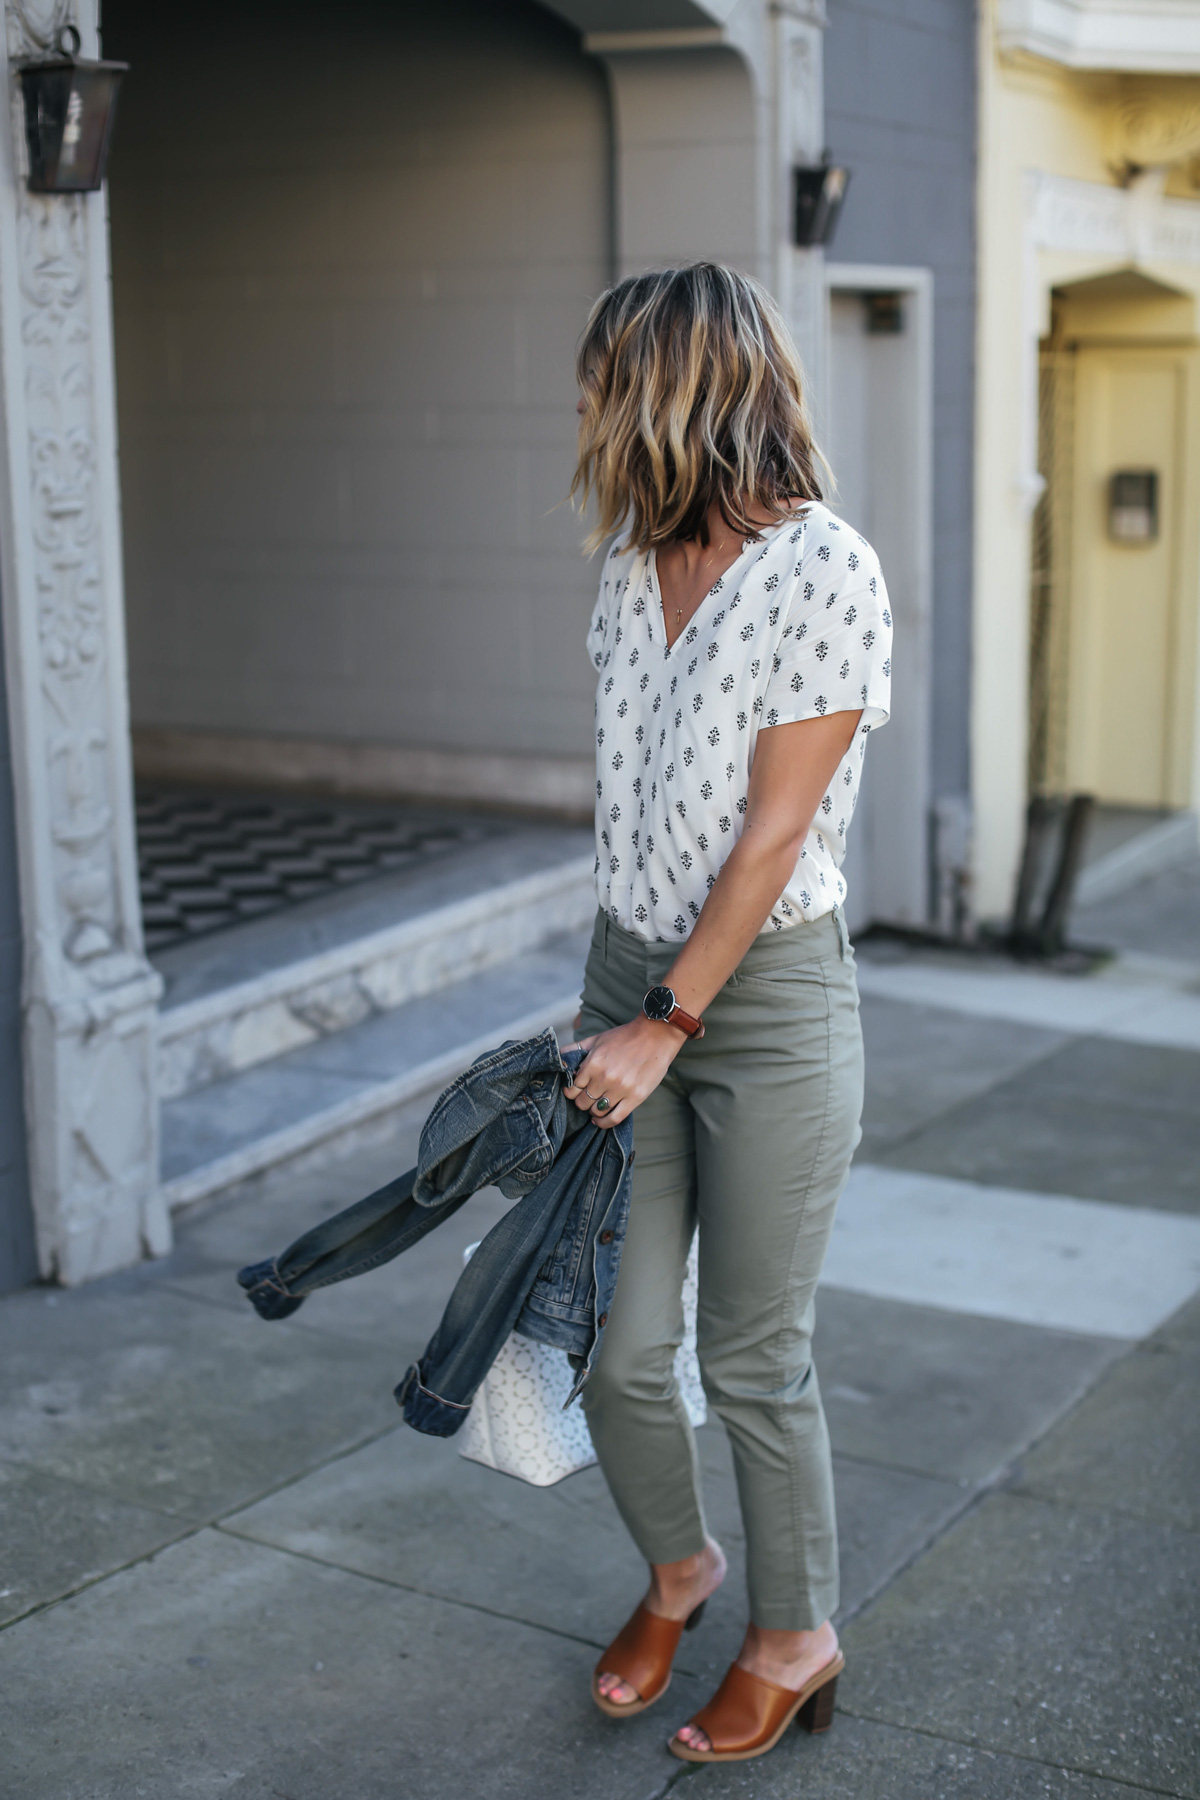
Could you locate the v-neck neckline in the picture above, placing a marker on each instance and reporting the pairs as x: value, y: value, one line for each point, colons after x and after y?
x: 655, y: 583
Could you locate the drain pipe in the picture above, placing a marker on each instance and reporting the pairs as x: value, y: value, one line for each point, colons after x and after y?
x: 1047, y: 936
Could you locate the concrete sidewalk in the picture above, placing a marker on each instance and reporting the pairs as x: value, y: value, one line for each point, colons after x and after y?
x: 228, y: 1569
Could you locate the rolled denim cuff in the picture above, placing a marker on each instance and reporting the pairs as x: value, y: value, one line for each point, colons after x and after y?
x: 267, y: 1291
x: 426, y: 1411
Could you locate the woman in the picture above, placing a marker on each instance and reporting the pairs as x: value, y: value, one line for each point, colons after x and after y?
x: 742, y: 642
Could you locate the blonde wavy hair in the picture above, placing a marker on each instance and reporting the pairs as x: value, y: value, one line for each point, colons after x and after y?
x: 693, y: 394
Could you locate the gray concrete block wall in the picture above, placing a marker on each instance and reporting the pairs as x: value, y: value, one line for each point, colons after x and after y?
x: 900, y: 111
x: 18, y: 1254
x: 352, y: 251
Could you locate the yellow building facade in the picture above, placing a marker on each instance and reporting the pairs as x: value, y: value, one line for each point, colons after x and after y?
x: 1087, y: 583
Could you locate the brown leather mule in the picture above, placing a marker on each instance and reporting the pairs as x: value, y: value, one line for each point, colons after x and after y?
x: 747, y: 1716
x: 641, y: 1654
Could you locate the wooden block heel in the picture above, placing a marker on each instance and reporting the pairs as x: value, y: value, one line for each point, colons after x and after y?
x: 816, y: 1715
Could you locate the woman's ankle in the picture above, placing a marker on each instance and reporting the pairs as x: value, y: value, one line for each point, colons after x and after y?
x: 765, y: 1647
x: 689, y: 1579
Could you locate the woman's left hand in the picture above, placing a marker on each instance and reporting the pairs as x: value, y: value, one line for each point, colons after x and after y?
x: 623, y: 1065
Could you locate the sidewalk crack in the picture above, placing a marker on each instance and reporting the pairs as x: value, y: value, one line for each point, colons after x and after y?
x: 1037, y: 1762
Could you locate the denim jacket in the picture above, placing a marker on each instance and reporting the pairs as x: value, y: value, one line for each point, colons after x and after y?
x: 548, y: 1269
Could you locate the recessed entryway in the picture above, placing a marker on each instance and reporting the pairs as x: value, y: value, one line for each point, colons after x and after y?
x: 877, y: 435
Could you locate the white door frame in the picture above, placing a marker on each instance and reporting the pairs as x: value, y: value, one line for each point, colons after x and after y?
x: 904, y: 894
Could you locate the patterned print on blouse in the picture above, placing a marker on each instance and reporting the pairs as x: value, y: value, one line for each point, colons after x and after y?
x: 798, y: 628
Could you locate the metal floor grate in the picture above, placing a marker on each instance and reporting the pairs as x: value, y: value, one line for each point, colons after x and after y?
x: 210, y: 860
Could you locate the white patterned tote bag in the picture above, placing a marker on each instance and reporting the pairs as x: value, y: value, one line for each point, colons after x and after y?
x: 517, y: 1424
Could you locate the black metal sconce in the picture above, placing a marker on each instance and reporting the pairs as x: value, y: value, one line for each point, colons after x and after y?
x: 817, y: 197
x: 1133, y: 506
x: 70, y: 105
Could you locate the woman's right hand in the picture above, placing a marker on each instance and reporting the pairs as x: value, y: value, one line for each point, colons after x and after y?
x: 622, y: 1066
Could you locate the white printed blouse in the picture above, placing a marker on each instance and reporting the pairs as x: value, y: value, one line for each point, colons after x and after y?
x: 798, y: 627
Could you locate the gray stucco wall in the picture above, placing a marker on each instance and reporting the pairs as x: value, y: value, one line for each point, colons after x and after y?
x: 352, y: 250
x: 900, y: 111
x: 18, y: 1256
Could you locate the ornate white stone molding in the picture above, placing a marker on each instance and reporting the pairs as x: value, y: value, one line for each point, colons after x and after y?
x: 1155, y: 123
x: 1135, y: 224
x: 1154, y: 36
x: 1117, y: 228
x: 89, y: 994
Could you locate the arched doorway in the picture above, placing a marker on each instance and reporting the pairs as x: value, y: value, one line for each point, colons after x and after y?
x: 352, y: 250
x: 1117, y: 545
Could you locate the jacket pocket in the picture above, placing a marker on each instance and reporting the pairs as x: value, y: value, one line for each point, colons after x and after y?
x: 521, y: 1125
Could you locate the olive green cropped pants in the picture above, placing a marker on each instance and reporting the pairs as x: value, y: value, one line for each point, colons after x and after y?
x: 750, y: 1137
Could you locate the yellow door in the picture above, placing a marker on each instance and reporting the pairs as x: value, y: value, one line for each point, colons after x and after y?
x: 1127, y: 632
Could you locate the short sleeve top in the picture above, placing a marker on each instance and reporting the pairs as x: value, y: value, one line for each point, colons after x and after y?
x: 797, y: 628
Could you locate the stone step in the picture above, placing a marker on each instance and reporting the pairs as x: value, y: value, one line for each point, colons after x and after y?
x: 269, y: 988
x: 221, y: 1134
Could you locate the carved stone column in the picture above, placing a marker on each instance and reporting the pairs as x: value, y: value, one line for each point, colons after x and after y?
x: 89, y: 994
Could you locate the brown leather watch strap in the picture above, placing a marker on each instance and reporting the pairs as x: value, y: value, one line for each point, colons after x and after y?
x: 685, y: 1021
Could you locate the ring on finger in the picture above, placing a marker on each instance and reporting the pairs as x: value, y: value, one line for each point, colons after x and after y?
x: 603, y: 1104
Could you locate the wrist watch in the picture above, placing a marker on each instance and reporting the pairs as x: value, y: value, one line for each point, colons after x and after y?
x: 661, y: 1005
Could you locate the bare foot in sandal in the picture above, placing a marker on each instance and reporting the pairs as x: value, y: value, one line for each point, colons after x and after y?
x: 676, y: 1590
x: 788, y: 1659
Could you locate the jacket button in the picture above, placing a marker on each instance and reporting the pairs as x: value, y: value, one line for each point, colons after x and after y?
x: 602, y: 1321
x: 606, y: 1237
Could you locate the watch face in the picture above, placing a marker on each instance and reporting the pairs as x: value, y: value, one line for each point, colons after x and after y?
x: 659, y: 1003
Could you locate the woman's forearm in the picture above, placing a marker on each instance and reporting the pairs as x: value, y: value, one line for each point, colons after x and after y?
x: 755, y: 873
x: 629, y: 1062
x: 793, y: 766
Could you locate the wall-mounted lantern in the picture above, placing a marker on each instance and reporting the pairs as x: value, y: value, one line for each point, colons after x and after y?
x: 70, y: 104
x: 1133, y: 506
x: 817, y: 197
